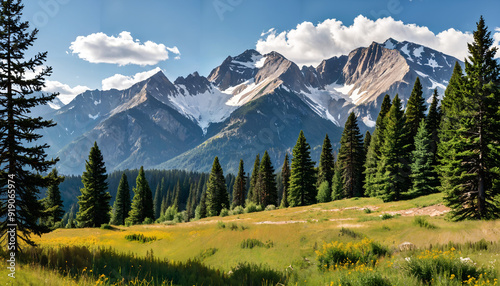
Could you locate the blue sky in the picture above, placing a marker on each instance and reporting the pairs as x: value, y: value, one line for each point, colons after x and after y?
x: 127, y: 37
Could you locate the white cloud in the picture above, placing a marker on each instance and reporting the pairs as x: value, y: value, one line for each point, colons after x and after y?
x: 121, y: 50
x: 496, y: 39
x: 66, y: 93
x: 120, y: 82
x: 309, y: 44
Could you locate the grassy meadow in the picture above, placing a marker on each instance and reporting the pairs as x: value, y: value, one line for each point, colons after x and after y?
x: 348, y: 242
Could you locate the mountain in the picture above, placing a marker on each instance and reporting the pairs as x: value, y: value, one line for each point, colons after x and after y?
x: 248, y: 104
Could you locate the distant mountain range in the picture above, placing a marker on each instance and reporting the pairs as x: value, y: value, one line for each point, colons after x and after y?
x: 248, y: 104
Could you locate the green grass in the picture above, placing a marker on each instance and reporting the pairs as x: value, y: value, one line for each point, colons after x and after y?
x: 297, y: 233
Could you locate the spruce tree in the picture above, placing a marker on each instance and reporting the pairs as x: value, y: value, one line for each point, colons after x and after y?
x: 337, y: 185
x: 351, y: 157
x: 366, y: 141
x: 423, y: 172
x: 164, y: 205
x: 94, y: 201
x: 157, y: 201
x: 374, y: 150
x: 21, y: 160
x: 302, y: 190
x: 239, y: 188
x: 121, y: 207
x: 326, y: 163
x: 252, y: 196
x: 471, y: 156
x: 285, y: 175
x: 266, y: 184
x: 415, y: 112
x: 177, y: 191
x: 217, y: 197
x: 433, y: 120
x: 53, y: 203
x: 142, y: 202
x: 203, y: 205
x: 393, y: 171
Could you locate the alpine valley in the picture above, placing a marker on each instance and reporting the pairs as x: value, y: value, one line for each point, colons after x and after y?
x: 248, y: 104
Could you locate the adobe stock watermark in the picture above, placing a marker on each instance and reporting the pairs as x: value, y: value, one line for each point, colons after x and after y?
x: 49, y: 10
x: 393, y: 8
x: 224, y: 6
x: 11, y: 226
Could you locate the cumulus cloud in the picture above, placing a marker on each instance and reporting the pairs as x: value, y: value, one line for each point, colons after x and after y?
x: 66, y: 93
x: 309, y: 44
x: 120, y: 82
x: 121, y: 50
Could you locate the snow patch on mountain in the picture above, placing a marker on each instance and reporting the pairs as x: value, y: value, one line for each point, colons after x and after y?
x: 389, y: 44
x: 94, y: 117
x: 433, y: 64
x: 422, y: 74
x: 368, y: 121
x: 255, y: 62
x: 418, y: 52
x: 204, y: 108
x: 97, y: 102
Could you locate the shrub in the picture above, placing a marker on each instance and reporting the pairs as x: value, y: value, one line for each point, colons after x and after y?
x: 252, y: 242
x: 140, y: 238
x: 337, y: 254
x: 106, y: 226
x: 429, y: 265
x: 221, y: 225
x: 224, y: 212
x: 206, y: 253
x: 237, y: 210
x: 179, y: 217
x: 423, y: 222
x: 349, y: 232
x: 233, y: 226
x: 270, y: 208
x: 367, y: 211
x: 148, y: 220
x: 251, y: 207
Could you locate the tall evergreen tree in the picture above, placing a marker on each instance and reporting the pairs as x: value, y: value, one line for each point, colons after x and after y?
x: 239, y: 188
x: 423, y: 173
x: 53, y: 203
x: 351, y: 157
x: 366, y: 141
x: 326, y: 163
x: 266, y: 185
x: 94, y: 201
x: 177, y: 191
x: 285, y: 175
x: 20, y: 163
x: 337, y: 185
x: 252, y: 196
x: 393, y: 171
x: 157, y: 201
x: 471, y: 156
x: 217, y: 197
x: 203, y: 205
x: 302, y: 190
x: 122, y: 206
x: 433, y: 120
x: 452, y: 105
x: 415, y: 112
x: 164, y: 205
x: 191, y: 202
x: 374, y: 150
x: 142, y: 203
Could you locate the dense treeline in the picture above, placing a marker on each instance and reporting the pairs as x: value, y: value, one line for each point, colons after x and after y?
x: 413, y: 151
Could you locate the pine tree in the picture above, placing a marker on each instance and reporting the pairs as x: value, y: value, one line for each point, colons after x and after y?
x: 351, y: 157
x: 217, y: 197
x: 326, y: 163
x: 164, y: 205
x: 203, y: 205
x: 337, y: 185
x: 471, y: 154
x: 94, y: 201
x: 415, y: 112
x: 53, y: 203
x: 157, y: 201
x: 122, y: 206
x: 423, y: 173
x: 142, y: 202
x: 393, y: 171
x: 239, y: 188
x: 366, y: 141
x: 433, y: 120
x: 266, y: 185
x: 285, y: 175
x: 21, y: 164
x: 177, y: 191
x: 302, y: 190
x: 252, y: 196
x: 191, y: 202
x: 374, y: 150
